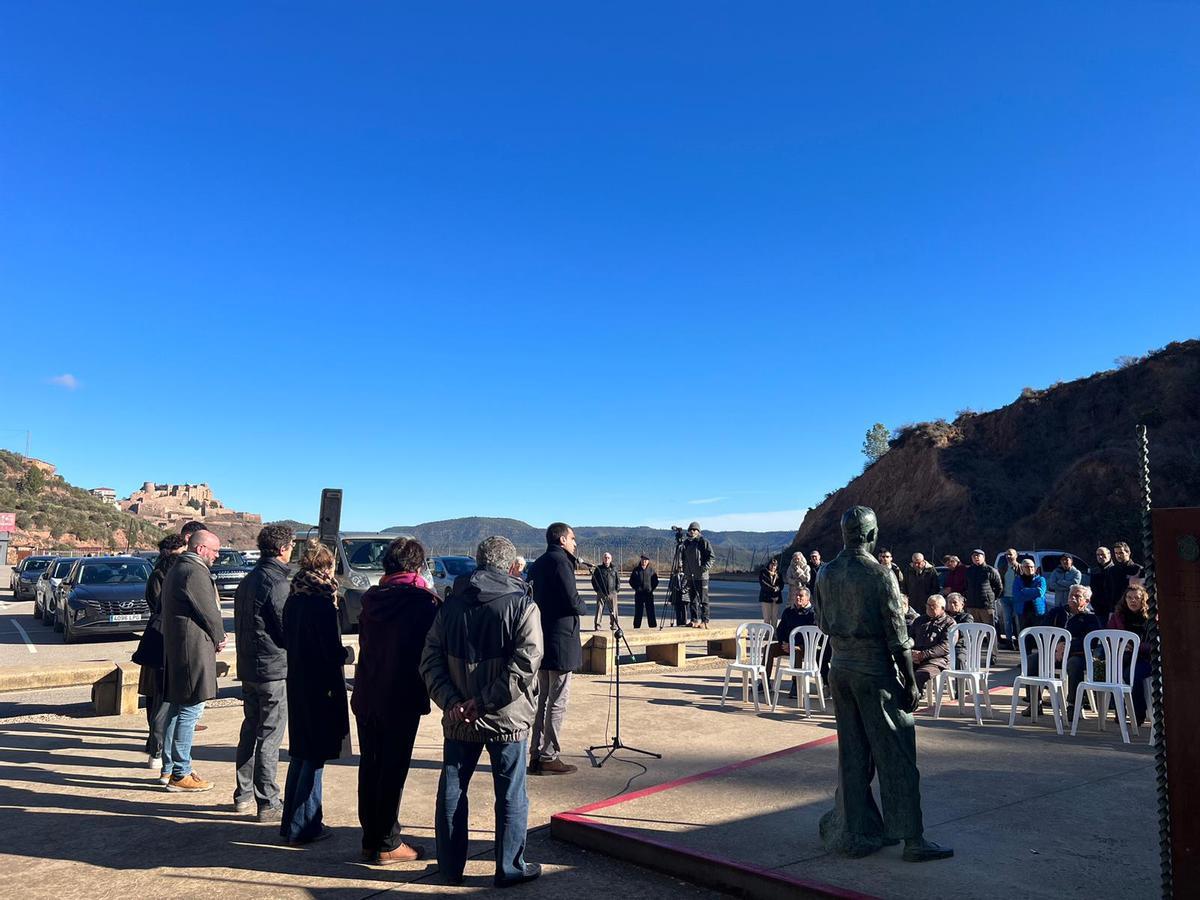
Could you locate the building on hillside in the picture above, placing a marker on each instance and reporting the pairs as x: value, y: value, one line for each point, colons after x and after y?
x: 107, y: 494
x: 168, y: 505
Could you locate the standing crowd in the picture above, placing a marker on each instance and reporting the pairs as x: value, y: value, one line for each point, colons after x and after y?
x: 496, y: 656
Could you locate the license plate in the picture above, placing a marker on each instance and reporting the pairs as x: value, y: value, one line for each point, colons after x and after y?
x: 132, y: 617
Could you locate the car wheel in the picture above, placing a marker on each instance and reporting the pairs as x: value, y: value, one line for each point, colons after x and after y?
x: 69, y: 636
x: 58, y: 622
x: 37, y: 608
x: 47, y: 615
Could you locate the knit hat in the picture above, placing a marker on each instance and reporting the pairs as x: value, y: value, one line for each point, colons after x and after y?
x: 695, y: 525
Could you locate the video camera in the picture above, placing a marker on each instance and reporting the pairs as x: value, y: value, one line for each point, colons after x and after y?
x: 679, y: 533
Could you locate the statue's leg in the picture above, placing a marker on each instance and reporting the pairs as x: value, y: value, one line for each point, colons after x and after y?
x: 893, y: 738
x: 854, y: 826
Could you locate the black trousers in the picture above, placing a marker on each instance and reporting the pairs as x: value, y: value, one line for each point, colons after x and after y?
x: 697, y: 590
x: 385, y: 752
x: 644, y: 603
x: 156, y: 716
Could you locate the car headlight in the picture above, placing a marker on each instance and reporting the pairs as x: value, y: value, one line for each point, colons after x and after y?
x: 362, y: 582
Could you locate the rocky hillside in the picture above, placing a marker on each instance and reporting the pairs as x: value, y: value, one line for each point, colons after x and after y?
x: 53, y: 514
x: 1058, y: 468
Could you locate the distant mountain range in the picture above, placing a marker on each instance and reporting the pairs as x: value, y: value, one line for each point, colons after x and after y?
x: 734, y: 549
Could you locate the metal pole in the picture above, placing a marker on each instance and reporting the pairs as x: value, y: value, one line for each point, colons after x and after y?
x: 1156, y: 682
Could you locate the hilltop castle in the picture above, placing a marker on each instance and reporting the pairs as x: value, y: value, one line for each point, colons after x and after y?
x: 169, y: 504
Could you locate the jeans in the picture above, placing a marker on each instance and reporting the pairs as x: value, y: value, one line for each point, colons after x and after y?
x: 554, y: 690
x: 459, y: 759
x: 264, y: 721
x: 1009, y: 625
x: 178, y: 736
x: 385, y: 754
x: 302, y: 814
x: 156, y: 716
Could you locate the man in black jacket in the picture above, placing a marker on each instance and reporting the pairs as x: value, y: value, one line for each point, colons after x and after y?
x: 606, y: 581
x: 1102, y: 584
x: 984, y: 588
x: 643, y: 579
x: 552, y: 576
x: 262, y: 669
x: 920, y: 582
x: 697, y: 560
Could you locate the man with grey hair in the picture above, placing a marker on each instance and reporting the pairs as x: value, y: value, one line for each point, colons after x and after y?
x: 192, y: 637
x: 606, y: 581
x: 480, y: 665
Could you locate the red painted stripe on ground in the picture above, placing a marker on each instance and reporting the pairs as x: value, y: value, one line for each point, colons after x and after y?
x: 701, y: 776
x: 758, y: 871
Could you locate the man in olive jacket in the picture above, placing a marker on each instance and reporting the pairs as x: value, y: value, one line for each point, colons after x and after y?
x: 554, y: 591
x: 192, y: 637
x: 480, y: 665
x: 262, y: 669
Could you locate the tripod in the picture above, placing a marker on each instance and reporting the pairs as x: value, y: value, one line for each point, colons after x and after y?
x: 674, y: 586
x: 618, y: 639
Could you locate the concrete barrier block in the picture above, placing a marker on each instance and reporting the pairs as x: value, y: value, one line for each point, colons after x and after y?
x: 667, y: 654
x: 726, y: 648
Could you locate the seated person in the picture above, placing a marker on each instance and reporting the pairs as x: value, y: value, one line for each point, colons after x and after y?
x: 956, y: 609
x: 800, y: 611
x: 1077, y: 617
x: 931, y: 641
x: 1133, y: 614
x: 910, y: 615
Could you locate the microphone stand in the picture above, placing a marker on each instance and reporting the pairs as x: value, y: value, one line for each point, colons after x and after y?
x: 618, y: 639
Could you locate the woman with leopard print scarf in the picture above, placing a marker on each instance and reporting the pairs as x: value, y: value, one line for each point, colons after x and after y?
x: 319, y: 717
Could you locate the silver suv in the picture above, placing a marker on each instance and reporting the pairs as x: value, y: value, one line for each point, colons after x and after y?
x: 358, y: 565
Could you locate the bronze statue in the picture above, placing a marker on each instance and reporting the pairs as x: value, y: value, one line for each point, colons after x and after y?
x: 874, y: 694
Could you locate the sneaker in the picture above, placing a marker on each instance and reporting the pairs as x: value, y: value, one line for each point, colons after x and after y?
x: 554, y: 767
x: 190, y: 783
x: 270, y: 814
x: 163, y: 776
x: 154, y: 762
x: 241, y: 807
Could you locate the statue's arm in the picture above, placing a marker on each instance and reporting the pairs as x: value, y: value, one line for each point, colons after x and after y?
x: 900, y: 645
x: 904, y: 665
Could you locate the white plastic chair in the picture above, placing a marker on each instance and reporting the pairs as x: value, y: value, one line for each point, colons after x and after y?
x: 1149, y: 688
x: 1051, y: 673
x: 979, y: 643
x: 1118, y: 678
x: 807, y: 671
x: 751, y: 659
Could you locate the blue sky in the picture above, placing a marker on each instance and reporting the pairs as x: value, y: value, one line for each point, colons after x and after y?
x: 637, y: 263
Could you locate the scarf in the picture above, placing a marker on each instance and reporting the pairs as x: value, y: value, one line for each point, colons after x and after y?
x: 412, y: 578
x: 308, y: 581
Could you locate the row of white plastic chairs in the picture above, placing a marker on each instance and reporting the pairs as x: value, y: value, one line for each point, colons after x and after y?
x: 968, y: 675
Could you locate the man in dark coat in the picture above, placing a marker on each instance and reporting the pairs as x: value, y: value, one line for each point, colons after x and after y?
x: 192, y: 637
x: 1123, y: 569
x: 262, y: 669
x: 920, y: 582
x: 552, y: 576
x: 985, y: 587
x: 931, y: 641
x: 698, y: 559
x: 874, y: 693
x: 606, y: 581
x: 1102, y: 584
x: 644, y: 580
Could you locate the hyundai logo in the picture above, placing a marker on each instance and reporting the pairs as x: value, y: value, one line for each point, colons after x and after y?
x: 126, y: 604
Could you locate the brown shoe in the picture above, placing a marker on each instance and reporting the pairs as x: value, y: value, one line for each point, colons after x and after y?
x: 164, y: 777
x: 403, y: 853
x: 555, y: 767
x: 190, y: 783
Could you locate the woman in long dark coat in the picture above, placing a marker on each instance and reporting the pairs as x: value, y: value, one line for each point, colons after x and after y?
x: 318, y: 717
x: 390, y: 696
x: 149, y: 655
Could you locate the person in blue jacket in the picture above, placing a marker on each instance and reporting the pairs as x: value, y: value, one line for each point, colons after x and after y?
x: 1029, y: 595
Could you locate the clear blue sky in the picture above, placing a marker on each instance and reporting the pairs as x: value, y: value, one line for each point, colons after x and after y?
x: 590, y: 264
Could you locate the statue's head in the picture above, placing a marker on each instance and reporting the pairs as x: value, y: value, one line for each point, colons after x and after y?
x: 859, y: 528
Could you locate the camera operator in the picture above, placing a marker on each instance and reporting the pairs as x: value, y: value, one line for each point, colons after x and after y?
x: 697, y: 560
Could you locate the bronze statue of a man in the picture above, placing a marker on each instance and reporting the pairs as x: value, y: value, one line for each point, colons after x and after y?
x: 874, y: 695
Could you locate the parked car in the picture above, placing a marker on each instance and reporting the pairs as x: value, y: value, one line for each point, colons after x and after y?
x: 47, y: 585
x: 15, y: 574
x: 228, y: 570
x: 150, y: 556
x: 103, y: 595
x: 446, y: 569
x: 1046, y: 562
x: 251, y: 556
x: 26, y: 586
x: 358, y: 565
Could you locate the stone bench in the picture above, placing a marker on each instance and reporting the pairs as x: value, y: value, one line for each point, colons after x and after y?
x: 667, y: 647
